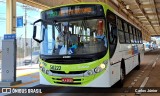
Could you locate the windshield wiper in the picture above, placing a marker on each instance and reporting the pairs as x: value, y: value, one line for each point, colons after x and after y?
x: 56, y: 26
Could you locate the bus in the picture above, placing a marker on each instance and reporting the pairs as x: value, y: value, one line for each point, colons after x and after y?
x: 98, y: 47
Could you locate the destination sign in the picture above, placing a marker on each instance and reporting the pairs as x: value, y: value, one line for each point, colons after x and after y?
x: 71, y: 11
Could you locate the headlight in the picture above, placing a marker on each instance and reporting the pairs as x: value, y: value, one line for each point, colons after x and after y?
x: 43, y: 69
x: 48, y: 72
x: 100, y: 68
x: 90, y: 72
x: 40, y: 65
x: 97, y: 69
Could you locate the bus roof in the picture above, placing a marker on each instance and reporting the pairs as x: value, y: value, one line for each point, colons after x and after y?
x: 101, y: 3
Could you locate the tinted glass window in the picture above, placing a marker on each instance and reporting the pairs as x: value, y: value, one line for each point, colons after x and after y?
x: 137, y: 35
x: 125, y: 27
x: 121, y: 36
x: 119, y: 21
x: 134, y: 35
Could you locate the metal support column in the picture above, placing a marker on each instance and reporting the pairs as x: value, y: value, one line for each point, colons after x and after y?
x: 9, y: 47
x: 11, y: 16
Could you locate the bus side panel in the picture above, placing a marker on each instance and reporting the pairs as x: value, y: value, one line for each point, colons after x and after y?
x: 102, y: 81
x: 115, y: 63
x: 128, y: 65
x: 115, y: 73
x: 141, y: 51
x: 126, y: 50
x: 135, y: 61
x: 43, y: 80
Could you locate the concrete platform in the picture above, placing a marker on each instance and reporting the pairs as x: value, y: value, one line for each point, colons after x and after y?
x: 28, y: 75
x: 25, y: 70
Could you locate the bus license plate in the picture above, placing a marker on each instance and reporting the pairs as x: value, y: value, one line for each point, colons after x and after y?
x: 67, y: 80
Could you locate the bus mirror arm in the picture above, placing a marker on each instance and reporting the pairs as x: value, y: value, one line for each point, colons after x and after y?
x: 34, y: 34
x: 35, y: 31
x: 39, y: 20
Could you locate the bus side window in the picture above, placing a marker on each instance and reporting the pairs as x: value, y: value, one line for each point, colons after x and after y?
x: 131, y: 34
x: 137, y: 35
x: 134, y: 35
x: 120, y: 31
x: 111, y: 26
x: 112, y: 31
x: 126, y: 33
x: 140, y: 37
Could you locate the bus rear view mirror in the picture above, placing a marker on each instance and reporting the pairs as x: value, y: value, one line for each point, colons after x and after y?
x: 38, y: 30
x: 34, y: 31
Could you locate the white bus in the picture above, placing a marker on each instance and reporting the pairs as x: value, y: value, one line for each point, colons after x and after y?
x: 87, y: 61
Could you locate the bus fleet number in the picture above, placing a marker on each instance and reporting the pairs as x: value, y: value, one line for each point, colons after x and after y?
x: 53, y: 67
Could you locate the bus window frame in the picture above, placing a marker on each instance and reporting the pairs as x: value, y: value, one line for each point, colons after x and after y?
x: 134, y: 34
x: 121, y: 31
x: 113, y: 25
x: 131, y: 34
x: 137, y: 32
x: 121, y: 27
x: 140, y: 35
x: 125, y: 32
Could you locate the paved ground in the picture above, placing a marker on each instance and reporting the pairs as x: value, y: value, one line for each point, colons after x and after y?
x: 147, y: 77
x: 25, y: 70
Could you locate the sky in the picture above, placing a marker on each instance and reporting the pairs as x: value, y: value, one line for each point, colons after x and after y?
x: 33, y: 14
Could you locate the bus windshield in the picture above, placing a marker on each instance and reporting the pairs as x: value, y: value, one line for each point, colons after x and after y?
x: 79, y: 37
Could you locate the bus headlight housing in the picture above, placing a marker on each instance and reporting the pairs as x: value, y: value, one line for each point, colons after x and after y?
x: 97, y: 69
x: 48, y: 72
x: 43, y: 69
x: 100, y: 68
x: 40, y: 65
x: 90, y: 72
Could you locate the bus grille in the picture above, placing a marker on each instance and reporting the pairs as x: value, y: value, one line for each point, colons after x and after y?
x: 68, y: 61
x: 71, y: 72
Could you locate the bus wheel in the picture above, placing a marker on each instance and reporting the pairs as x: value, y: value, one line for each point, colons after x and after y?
x: 139, y: 61
x: 122, y: 76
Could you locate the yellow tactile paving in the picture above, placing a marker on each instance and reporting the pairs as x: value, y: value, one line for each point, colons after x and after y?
x: 26, y: 72
x: 35, y: 76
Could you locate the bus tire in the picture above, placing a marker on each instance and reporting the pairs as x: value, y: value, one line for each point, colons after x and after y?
x: 122, y: 75
x: 139, y: 61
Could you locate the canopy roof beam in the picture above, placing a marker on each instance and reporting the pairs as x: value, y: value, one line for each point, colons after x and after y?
x: 143, y: 12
